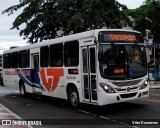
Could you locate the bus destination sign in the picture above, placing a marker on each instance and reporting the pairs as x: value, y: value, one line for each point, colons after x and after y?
x: 120, y: 37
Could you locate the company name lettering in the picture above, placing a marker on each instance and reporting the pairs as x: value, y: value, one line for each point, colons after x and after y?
x: 25, y: 73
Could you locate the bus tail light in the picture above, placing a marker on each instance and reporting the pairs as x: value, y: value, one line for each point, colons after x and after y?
x: 107, y: 88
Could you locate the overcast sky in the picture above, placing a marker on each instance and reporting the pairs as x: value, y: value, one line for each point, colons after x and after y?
x: 11, y: 37
x: 8, y: 37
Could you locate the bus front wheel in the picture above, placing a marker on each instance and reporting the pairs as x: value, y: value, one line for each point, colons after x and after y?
x: 73, y: 97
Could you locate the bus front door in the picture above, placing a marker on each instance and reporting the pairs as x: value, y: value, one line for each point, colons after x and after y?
x: 35, y: 73
x: 89, y: 74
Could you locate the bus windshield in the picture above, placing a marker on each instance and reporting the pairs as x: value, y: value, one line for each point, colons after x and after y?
x: 123, y: 61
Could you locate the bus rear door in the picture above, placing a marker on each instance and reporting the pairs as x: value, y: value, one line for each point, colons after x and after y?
x: 36, y: 87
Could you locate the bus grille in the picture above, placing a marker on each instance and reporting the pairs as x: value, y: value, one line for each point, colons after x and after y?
x: 127, y: 83
x: 128, y: 95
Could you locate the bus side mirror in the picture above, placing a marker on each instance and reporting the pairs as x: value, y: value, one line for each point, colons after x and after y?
x: 148, y: 55
x: 100, y: 53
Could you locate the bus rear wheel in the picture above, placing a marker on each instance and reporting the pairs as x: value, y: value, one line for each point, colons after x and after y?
x: 73, y: 97
x: 22, y: 89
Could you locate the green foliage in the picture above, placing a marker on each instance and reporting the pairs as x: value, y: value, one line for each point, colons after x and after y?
x: 147, y: 16
x: 43, y: 18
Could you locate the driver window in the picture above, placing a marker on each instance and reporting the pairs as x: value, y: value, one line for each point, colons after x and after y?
x: 137, y: 54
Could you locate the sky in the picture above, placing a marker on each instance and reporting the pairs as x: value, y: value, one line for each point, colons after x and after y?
x: 131, y: 4
x: 11, y: 37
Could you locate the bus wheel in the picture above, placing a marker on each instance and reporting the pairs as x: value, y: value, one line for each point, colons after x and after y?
x: 73, y: 97
x: 22, y: 89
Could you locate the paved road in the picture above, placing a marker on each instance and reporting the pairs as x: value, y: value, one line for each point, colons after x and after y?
x: 52, y: 111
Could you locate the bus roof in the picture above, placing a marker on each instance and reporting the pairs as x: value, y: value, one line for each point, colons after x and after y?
x: 68, y: 38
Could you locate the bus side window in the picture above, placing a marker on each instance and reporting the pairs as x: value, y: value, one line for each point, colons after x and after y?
x: 15, y: 58
x: 8, y: 60
x: 44, y: 56
x: 56, y: 55
x: 71, y: 54
x: 24, y: 59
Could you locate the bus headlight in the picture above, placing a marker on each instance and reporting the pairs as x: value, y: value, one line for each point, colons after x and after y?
x: 144, y: 85
x: 107, y: 88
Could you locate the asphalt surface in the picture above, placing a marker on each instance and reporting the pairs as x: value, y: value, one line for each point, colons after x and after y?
x: 51, y: 111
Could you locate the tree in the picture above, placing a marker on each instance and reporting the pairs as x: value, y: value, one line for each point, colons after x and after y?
x: 146, y: 17
x: 43, y: 18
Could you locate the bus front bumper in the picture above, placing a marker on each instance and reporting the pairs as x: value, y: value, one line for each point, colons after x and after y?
x: 109, y: 98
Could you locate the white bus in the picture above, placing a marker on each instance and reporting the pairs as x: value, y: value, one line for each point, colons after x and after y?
x: 98, y: 67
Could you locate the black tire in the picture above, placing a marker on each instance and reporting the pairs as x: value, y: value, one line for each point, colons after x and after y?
x: 22, y: 89
x: 73, y: 97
